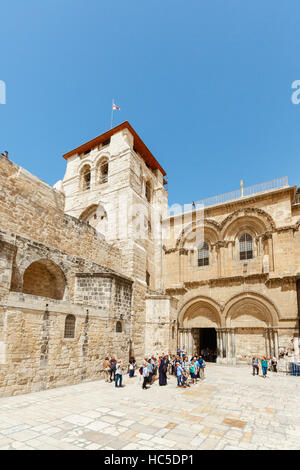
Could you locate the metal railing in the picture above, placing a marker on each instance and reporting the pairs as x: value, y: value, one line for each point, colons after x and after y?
x: 244, y: 192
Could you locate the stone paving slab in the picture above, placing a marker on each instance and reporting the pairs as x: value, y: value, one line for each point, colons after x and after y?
x: 230, y: 409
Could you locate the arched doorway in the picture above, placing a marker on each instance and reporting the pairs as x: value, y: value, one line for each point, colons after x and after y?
x: 198, y: 325
x: 45, y: 279
x: 251, y: 322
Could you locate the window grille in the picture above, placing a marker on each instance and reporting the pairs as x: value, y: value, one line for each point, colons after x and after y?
x: 246, y: 247
x: 70, y: 326
x: 203, y: 255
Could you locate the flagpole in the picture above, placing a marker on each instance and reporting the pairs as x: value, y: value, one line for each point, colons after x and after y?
x: 112, y: 114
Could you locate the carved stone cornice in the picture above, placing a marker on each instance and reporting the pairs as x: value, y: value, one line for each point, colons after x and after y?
x: 176, y: 291
x: 285, y: 282
x: 249, y: 211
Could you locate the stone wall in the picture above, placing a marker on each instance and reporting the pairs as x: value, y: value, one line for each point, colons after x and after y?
x: 37, y: 356
x: 32, y: 209
x: 53, y: 265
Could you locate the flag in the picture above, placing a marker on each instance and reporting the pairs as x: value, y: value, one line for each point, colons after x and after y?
x: 116, y: 107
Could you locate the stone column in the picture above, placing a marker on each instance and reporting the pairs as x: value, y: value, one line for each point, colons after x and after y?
x: 228, y: 343
x: 267, y: 340
x: 224, y: 342
x: 189, y: 344
x: 233, y: 345
x: 184, y: 339
x: 276, y: 348
x: 219, y: 345
x: 180, y: 339
x: 270, y: 246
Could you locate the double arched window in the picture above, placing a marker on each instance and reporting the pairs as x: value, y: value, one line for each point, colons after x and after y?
x: 85, y: 178
x: 246, y: 246
x: 103, y: 170
x: 203, y: 254
x: 70, y: 326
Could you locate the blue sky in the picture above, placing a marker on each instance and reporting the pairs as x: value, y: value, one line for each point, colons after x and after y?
x: 206, y: 84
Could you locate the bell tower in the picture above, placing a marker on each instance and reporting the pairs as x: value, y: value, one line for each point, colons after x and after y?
x: 116, y: 185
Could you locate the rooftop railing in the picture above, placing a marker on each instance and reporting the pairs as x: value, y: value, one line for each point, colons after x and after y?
x: 241, y: 193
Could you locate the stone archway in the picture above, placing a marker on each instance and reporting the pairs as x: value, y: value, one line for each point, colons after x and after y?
x: 199, y: 318
x: 251, y: 321
x: 45, y: 279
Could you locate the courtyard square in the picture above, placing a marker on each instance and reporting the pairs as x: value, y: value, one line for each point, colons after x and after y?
x: 230, y: 409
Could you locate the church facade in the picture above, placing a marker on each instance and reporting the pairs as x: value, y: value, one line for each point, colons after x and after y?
x: 99, y: 266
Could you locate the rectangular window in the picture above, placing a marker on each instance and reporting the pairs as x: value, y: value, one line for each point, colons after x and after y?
x: 203, y: 261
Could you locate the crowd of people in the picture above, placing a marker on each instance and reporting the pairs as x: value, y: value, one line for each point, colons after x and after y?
x: 186, y: 370
x: 265, y: 365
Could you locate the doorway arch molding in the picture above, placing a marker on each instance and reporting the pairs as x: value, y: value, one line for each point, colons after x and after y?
x: 191, y: 305
x: 264, y: 305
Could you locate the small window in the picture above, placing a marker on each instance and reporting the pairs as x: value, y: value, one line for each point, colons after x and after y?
x: 203, y: 255
x: 118, y: 327
x: 173, y: 332
x: 106, y: 142
x: 104, y: 173
x: 70, y: 326
x: 148, y: 191
x: 86, y: 177
x: 147, y: 278
x: 246, y: 247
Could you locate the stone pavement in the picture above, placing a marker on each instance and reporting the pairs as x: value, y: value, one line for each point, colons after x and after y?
x: 230, y: 409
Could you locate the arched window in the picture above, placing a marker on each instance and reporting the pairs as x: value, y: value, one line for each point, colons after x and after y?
x: 70, y: 326
x: 246, y: 247
x: 103, y: 171
x: 118, y: 327
x: 85, y: 178
x: 203, y: 254
x: 148, y: 191
x: 173, y: 332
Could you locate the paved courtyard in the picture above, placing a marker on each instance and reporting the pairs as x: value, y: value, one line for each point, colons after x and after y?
x: 230, y: 409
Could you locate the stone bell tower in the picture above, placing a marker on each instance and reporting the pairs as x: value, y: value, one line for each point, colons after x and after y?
x: 116, y: 185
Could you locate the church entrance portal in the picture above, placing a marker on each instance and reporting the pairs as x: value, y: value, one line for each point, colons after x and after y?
x: 208, y: 344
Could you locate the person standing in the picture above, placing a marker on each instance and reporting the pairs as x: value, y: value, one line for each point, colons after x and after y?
x: 150, y: 371
x: 155, y: 366
x: 132, y: 366
x: 264, y: 366
x: 179, y: 372
x: 145, y: 374
x: 201, y: 367
x: 163, y: 367
x: 119, y: 374
x: 112, y: 371
x: 106, y: 369
x: 274, y: 364
x: 192, y: 372
x: 255, y: 365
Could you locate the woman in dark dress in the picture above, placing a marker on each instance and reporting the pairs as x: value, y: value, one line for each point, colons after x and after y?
x: 163, y: 367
